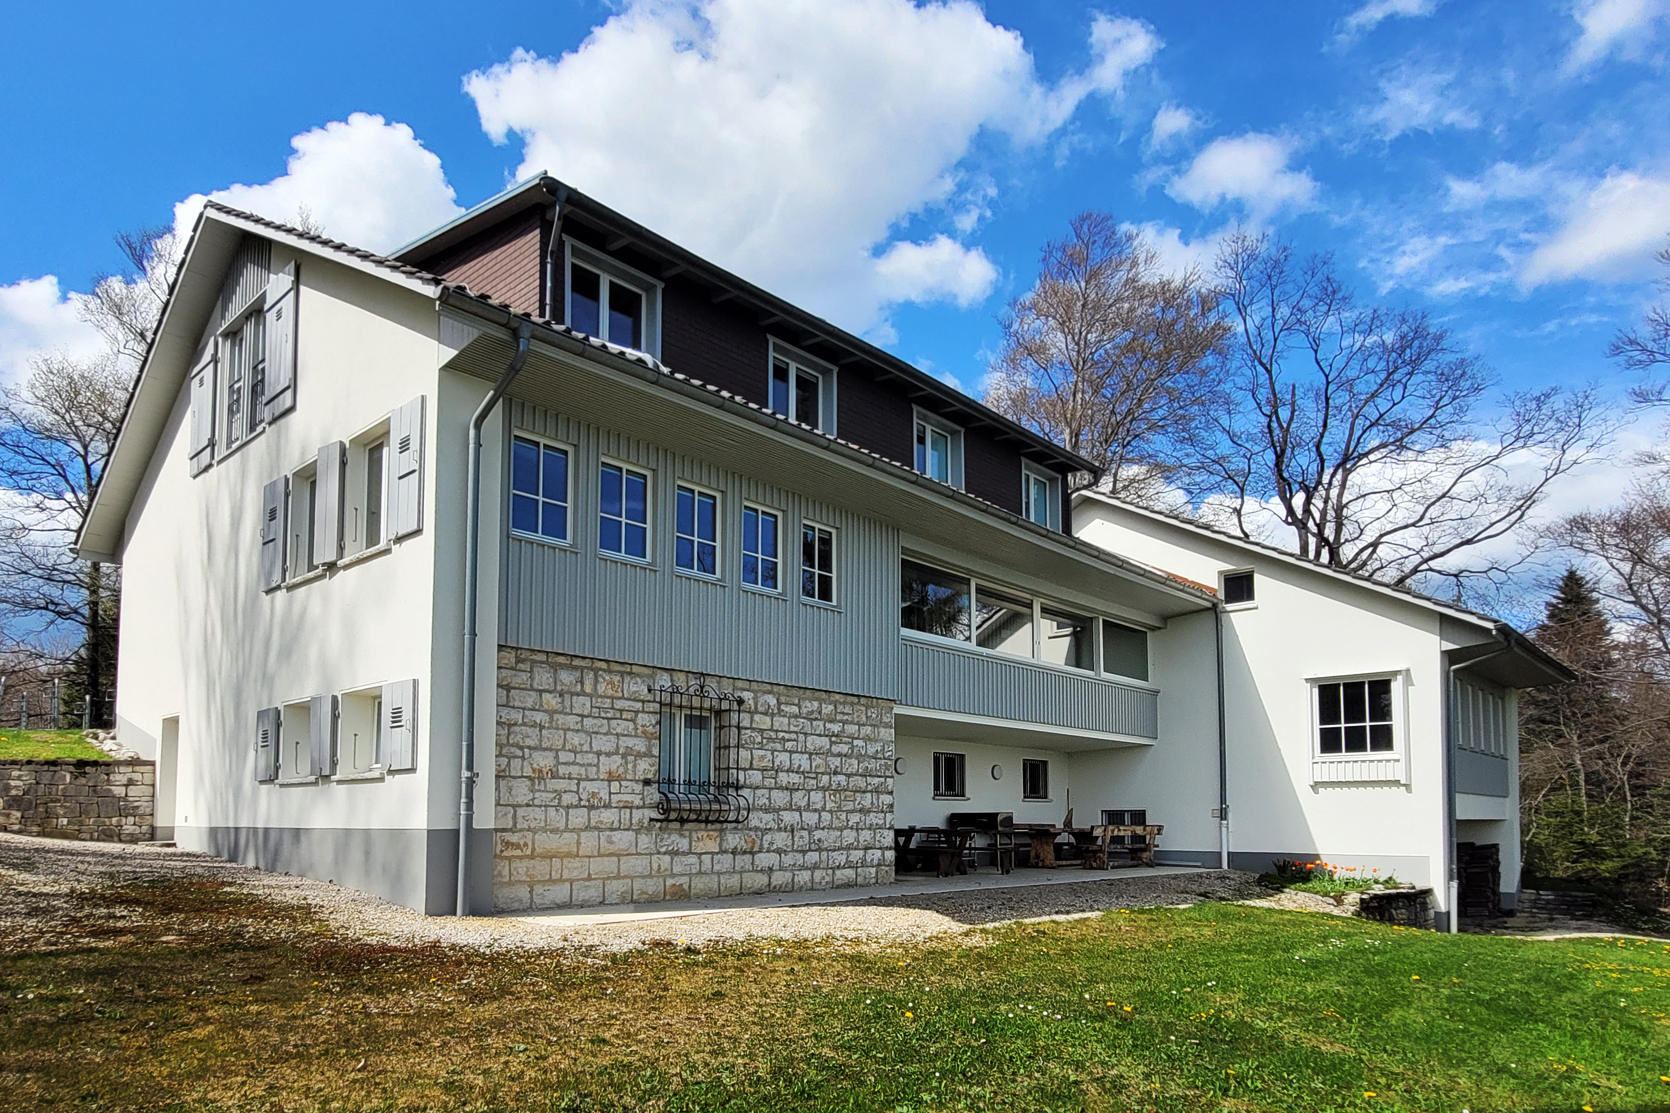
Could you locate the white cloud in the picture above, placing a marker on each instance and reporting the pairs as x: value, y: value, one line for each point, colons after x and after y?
x: 37, y: 317
x: 1609, y: 233
x: 1251, y: 169
x: 370, y: 183
x: 1625, y: 26
x: 1417, y: 100
x: 1171, y: 122
x: 1370, y: 15
x: 788, y: 140
x: 1178, y: 255
x: 1504, y: 181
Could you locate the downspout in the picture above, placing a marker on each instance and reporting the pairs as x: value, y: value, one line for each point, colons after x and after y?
x: 1448, y: 719
x: 1223, y: 744
x: 472, y: 576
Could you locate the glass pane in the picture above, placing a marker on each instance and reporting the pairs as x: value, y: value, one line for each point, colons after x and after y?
x: 707, y: 558
x: 780, y: 387
x: 374, y: 495
x: 684, y: 553
x: 1380, y: 737
x: 768, y: 574
x: 1380, y: 701
x: 751, y: 569
x: 1356, y: 739
x: 939, y: 456
x: 524, y: 514
x: 637, y: 541
x: 637, y: 497
x: 933, y: 602
x: 826, y: 551
x: 1002, y: 623
x: 1328, y: 704
x: 1124, y: 650
x: 1238, y: 588
x: 1065, y: 639
x: 608, y: 534
x: 686, y: 511
x: 707, y: 513
x: 524, y: 467
x: 610, y: 493
x: 826, y: 587
x: 556, y: 475
x: 768, y: 535
x: 1331, y: 741
x: 806, y: 391
x: 698, y: 748
x: 921, y: 448
x: 584, y: 300
x: 808, y: 583
x: 626, y: 316
x: 555, y: 524
x: 750, y: 530
x: 1039, y: 501
x: 1356, y: 701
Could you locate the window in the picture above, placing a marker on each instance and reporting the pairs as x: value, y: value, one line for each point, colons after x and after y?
x: 1482, y: 722
x: 1354, y: 717
x: 1035, y: 779
x: 295, y: 756
x: 1238, y: 587
x: 933, y: 602
x: 697, y: 777
x: 687, y: 747
x: 360, y: 732
x: 623, y: 512
x: 365, y: 523
x: 948, y: 774
x: 802, y: 389
x: 303, y: 517
x: 1002, y: 622
x: 539, y: 497
x: 939, y: 449
x: 759, y: 548
x: 244, y: 349
x: 1067, y: 639
x: 1040, y: 497
x: 817, y: 563
x: 696, y: 548
x: 612, y: 302
x: 1124, y: 650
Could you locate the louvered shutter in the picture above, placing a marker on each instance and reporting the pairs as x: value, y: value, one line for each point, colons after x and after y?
x: 327, y: 504
x: 272, y: 534
x: 321, y: 726
x: 400, y: 725
x: 406, y: 437
x: 281, y: 342
x: 267, y: 723
x: 202, y: 419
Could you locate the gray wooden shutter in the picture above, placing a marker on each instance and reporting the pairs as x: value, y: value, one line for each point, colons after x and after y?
x: 327, y: 504
x: 400, y: 724
x: 406, y: 441
x: 272, y: 534
x: 321, y: 725
x: 202, y: 421
x: 281, y: 342
x: 267, y: 723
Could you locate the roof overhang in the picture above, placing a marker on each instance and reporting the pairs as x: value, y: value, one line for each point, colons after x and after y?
x: 1512, y: 660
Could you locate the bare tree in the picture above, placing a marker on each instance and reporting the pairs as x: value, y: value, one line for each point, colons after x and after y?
x: 1110, y: 356
x: 1629, y: 546
x: 127, y: 307
x: 1649, y: 347
x: 1360, y: 428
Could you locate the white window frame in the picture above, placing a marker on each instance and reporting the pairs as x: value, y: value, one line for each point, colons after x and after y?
x: 1029, y: 473
x: 1246, y: 605
x: 718, y: 573
x: 1400, y: 716
x: 354, y: 489
x: 953, y: 449
x: 613, y: 270
x: 742, y: 553
x: 251, y: 402
x: 673, y: 757
x: 348, y: 746
x: 649, y: 510
x: 544, y: 443
x: 301, y: 520
x: 1466, y: 717
x: 291, y: 745
x: 811, y: 365
x: 834, y: 599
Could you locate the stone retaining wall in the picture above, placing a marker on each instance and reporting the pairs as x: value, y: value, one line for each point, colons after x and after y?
x: 103, y: 801
x: 578, y: 739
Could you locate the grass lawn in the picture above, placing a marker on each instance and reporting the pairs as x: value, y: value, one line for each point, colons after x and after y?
x: 1215, y: 1007
x: 43, y: 745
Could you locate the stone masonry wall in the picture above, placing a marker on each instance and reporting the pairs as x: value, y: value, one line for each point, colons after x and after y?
x: 104, y: 801
x: 577, y: 739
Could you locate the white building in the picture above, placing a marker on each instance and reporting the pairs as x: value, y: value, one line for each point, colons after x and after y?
x: 750, y: 594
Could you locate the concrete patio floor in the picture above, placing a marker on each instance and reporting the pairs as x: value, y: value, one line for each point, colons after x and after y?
x: 909, y: 885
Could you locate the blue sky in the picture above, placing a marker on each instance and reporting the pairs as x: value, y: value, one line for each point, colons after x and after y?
x: 1504, y: 165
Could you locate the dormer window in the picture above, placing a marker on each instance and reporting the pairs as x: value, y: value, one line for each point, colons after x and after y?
x: 1041, y: 497
x: 612, y: 302
x: 802, y: 388
x: 939, y: 449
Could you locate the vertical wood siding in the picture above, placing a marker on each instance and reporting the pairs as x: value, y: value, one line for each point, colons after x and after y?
x: 502, y: 262
x: 251, y: 269
x: 947, y: 678
x: 571, y: 599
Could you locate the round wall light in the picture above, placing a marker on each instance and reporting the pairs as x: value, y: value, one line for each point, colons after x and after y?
x: 899, y: 766
x: 997, y: 772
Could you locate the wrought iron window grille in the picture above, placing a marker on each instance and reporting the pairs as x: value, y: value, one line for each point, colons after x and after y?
x: 699, y: 778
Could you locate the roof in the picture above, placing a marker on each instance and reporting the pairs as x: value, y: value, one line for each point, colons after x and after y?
x: 544, y: 190
x: 1509, y: 638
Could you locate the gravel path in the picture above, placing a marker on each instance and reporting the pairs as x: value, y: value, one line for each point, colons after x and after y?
x: 56, y: 894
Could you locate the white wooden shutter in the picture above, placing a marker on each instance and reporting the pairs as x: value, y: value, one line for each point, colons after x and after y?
x: 281, y: 342
x: 267, y: 723
x: 272, y: 534
x: 400, y: 724
x: 327, y: 503
x: 406, y: 441
x: 321, y: 726
x: 202, y: 421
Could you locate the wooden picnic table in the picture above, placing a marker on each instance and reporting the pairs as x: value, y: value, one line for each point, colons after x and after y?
x: 949, y: 843
x: 1091, y: 843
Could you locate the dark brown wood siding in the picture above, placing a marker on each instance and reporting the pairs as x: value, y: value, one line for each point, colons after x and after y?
x: 502, y: 262
x: 992, y: 470
x: 721, y: 344
x: 869, y: 414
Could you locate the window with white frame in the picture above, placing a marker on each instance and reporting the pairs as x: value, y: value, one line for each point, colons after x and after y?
x: 1355, y: 717
x: 1040, y: 496
x: 1066, y: 639
x: 244, y: 359
x: 612, y: 301
x: 802, y: 388
x: 365, y: 521
x: 1239, y: 587
x: 761, y: 529
x: 1481, y: 719
x: 623, y: 511
x: 696, y: 530
x: 949, y: 775
x: 360, y: 732
x: 939, y: 449
x: 539, y: 489
x: 817, y: 563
